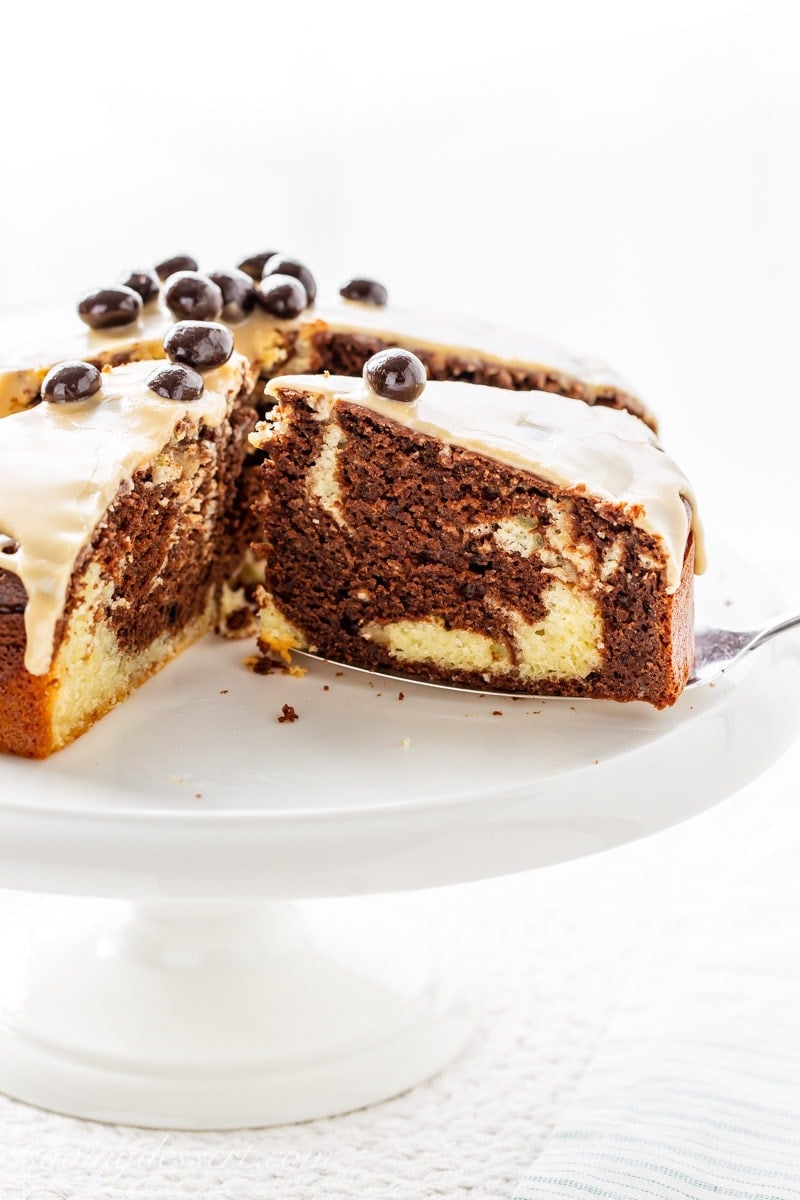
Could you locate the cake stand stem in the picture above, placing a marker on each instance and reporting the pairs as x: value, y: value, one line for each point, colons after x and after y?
x: 184, y: 1015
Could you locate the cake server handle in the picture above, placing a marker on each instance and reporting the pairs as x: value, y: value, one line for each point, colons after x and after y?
x: 717, y: 649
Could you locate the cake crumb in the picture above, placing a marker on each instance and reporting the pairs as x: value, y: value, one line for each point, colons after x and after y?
x: 405, y: 742
x: 260, y: 664
x: 326, y: 687
x: 295, y: 672
x: 288, y: 714
x: 224, y: 692
x: 278, y: 647
x: 198, y: 795
x: 496, y: 712
x: 339, y: 673
x: 176, y: 779
x: 401, y: 695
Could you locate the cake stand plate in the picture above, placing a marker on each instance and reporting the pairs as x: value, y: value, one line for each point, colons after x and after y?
x: 209, y: 1001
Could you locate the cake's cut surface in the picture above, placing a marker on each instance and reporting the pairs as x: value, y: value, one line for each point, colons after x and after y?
x: 518, y: 541
x: 119, y: 522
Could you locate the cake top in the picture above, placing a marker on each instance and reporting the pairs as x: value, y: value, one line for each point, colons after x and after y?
x: 63, y: 461
x: 31, y: 345
x: 597, y: 451
x: 37, y: 342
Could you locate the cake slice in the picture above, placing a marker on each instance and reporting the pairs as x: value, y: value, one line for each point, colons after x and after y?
x: 119, y: 522
x: 512, y: 541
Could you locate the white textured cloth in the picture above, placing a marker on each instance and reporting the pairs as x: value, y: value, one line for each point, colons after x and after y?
x: 561, y: 961
x: 696, y: 1087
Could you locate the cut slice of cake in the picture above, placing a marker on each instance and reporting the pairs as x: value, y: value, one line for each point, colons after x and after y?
x: 120, y: 520
x: 517, y: 541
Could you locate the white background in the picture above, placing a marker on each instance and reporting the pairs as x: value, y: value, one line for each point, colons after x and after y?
x: 623, y: 177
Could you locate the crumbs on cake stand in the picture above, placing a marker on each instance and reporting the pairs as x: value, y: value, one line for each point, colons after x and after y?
x: 289, y: 715
x: 267, y: 664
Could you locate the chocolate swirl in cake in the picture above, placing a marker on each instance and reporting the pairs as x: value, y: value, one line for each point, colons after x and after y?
x: 595, y: 451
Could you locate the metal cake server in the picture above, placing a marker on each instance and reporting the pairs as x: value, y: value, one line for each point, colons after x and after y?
x: 717, y: 649
x: 714, y: 651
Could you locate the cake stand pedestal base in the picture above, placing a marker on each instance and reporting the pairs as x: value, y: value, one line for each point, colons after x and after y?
x: 183, y: 1015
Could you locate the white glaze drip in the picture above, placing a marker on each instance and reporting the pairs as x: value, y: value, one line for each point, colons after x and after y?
x: 61, y: 466
x: 609, y: 455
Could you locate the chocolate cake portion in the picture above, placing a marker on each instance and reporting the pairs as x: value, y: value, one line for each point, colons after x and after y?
x: 451, y: 540
x: 121, y: 562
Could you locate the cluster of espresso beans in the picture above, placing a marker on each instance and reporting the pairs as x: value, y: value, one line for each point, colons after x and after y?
x: 195, y: 346
x: 190, y: 347
x: 279, y: 284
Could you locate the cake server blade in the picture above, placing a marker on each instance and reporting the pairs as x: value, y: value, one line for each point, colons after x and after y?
x: 715, y: 650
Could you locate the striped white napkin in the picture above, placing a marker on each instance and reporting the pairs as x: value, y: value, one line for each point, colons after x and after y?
x: 695, y: 1091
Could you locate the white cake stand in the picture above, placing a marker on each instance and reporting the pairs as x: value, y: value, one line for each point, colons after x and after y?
x: 209, y: 1001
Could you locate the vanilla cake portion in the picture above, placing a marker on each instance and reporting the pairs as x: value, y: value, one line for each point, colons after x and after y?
x: 119, y: 522
x: 337, y: 336
x: 518, y: 541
